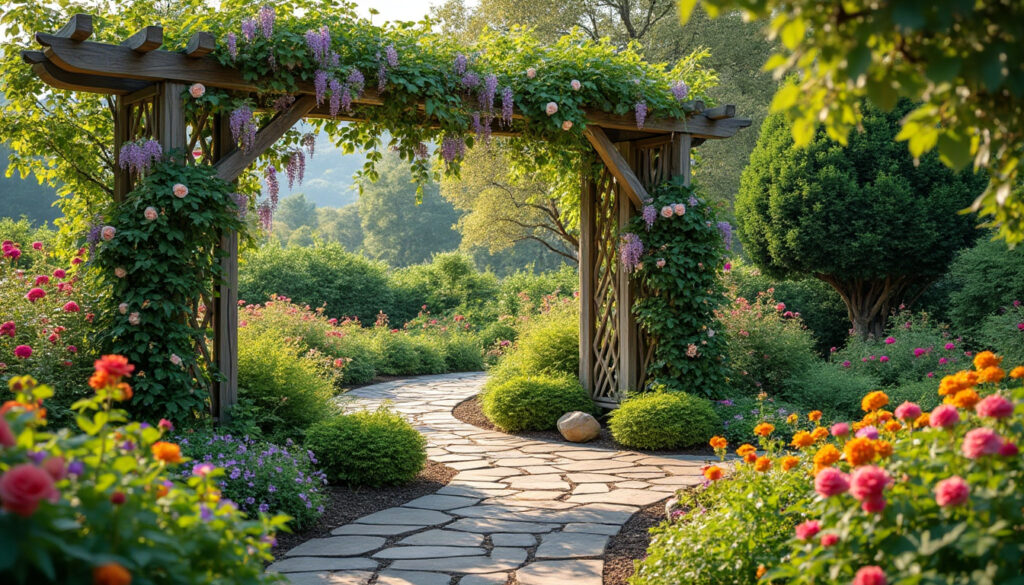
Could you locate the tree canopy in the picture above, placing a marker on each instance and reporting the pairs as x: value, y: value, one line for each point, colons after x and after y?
x: 866, y: 218
x: 963, y: 60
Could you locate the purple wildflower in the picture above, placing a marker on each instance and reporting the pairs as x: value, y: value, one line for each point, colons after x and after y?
x: 205, y: 514
x: 356, y: 80
x: 649, y: 213
x: 486, y: 96
x: 452, y: 147
x: 292, y: 169
x: 680, y: 90
x: 641, y: 113
x: 137, y: 157
x: 693, y: 201
x: 382, y: 74
x: 460, y: 64
x: 284, y: 102
x: 507, y: 98
x: 630, y: 250
x: 319, y: 43
x: 76, y: 468
x: 335, y: 97
x: 249, y: 29
x: 346, y: 99
x: 320, y: 85
x: 243, y: 127
x: 309, y: 141
x: 391, y: 53
x: 232, y: 42
x: 270, y: 174
x: 470, y: 80
x: 267, y: 18
x: 726, y: 229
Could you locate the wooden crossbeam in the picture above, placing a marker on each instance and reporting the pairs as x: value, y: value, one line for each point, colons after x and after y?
x: 200, y: 44
x: 57, y: 77
x: 146, y: 40
x: 236, y: 161
x: 78, y: 28
x: 617, y: 164
x: 721, y: 112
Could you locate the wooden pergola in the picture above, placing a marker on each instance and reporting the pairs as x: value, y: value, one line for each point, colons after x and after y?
x: 148, y: 83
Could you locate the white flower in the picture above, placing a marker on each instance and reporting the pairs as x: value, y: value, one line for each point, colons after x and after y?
x: 197, y: 90
x: 711, y: 332
x: 660, y: 263
x: 150, y: 213
x: 551, y: 108
x: 123, y: 308
x: 667, y: 211
x: 133, y: 319
x: 679, y: 208
x: 567, y: 125
x: 575, y: 84
x: 180, y: 191
x: 107, y: 233
x: 531, y: 73
x: 120, y: 272
x: 175, y: 359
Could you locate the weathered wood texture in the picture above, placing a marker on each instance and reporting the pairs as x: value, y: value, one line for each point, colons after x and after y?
x: 146, y: 40
x: 200, y: 44
x: 226, y: 316
x: 617, y: 164
x: 78, y: 28
x: 587, y: 268
x: 235, y: 162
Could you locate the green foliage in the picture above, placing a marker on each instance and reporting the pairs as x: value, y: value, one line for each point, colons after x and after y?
x: 463, y: 353
x: 341, y: 225
x: 169, y: 265
x: 921, y: 392
x: 25, y: 232
x: 24, y: 198
x: 448, y: 282
x: 961, y: 58
x: 525, y: 292
x: 835, y: 390
x: 288, y: 391
x: 678, y: 306
x: 350, y: 285
x: 1003, y: 332
x: 549, y: 343
x: 368, y: 448
x: 260, y: 476
x: 532, y: 402
x: 767, y: 343
x: 664, y: 420
x: 296, y: 211
x: 114, y: 502
x: 741, y: 414
x: 983, y: 279
x: 864, y: 217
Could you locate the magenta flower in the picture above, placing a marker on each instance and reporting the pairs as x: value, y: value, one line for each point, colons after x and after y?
x: 950, y: 346
x: 981, y: 441
x: 890, y: 340
x: 883, y: 359
x: 953, y: 491
x: 23, y: 352
x: 35, y: 294
x: 907, y: 411
x: 994, y: 406
x: 71, y: 307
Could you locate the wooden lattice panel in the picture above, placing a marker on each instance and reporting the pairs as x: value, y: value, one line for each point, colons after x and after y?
x: 605, y: 340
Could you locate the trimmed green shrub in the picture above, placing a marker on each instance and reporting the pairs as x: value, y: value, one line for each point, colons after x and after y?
x: 430, y: 354
x: 984, y: 279
x: 532, y: 403
x: 524, y: 292
x: 448, y: 281
x: 921, y: 392
x: 1003, y: 332
x: 497, y: 331
x: 463, y: 353
x: 550, y: 344
x: 664, y: 420
x: 287, y: 391
x: 831, y: 389
x: 368, y: 448
x: 397, y: 353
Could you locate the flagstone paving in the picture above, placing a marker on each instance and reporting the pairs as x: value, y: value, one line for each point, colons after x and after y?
x: 538, y: 512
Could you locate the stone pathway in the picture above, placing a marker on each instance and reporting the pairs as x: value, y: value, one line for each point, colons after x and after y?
x: 538, y: 512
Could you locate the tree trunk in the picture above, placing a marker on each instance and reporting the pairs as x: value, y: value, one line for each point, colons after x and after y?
x: 870, y: 302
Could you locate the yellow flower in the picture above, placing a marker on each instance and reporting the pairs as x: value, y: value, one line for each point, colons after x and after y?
x: 884, y: 415
x: 883, y: 448
x: 893, y: 426
x: 819, y: 434
x: 874, y: 401
x: 1017, y: 372
x: 713, y: 473
x: 965, y: 399
x: 719, y: 442
x: 764, y: 429
x: 814, y: 415
x: 859, y: 451
x: 991, y: 374
x: 762, y: 464
x: 789, y: 462
x: 745, y: 449
x: 791, y: 419
x: 802, y: 439
x: 986, y: 359
x: 825, y: 457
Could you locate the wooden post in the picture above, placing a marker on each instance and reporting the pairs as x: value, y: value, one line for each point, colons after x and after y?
x: 681, y: 146
x: 122, y: 180
x: 629, y: 352
x: 170, y: 118
x: 225, y: 320
x: 587, y: 260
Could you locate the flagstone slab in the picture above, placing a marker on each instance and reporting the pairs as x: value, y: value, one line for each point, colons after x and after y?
x: 500, y: 559
x: 439, y: 502
x: 591, y: 488
x: 624, y: 496
x: 565, y: 545
x: 324, y: 578
x: 512, y: 539
x: 337, y: 546
x: 592, y: 528
x: 389, y: 577
x: 427, y: 552
x: 488, y: 579
x: 405, y: 516
x: 491, y: 525
x: 313, y: 564
x: 374, y: 529
x: 444, y: 537
x: 576, y: 572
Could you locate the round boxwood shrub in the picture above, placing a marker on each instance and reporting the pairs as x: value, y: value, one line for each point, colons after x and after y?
x: 550, y: 345
x: 533, y: 403
x: 368, y: 448
x: 664, y: 420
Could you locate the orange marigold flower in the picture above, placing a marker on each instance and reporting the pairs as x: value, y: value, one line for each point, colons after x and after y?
x: 819, y: 434
x: 884, y: 416
x: 814, y: 415
x: 883, y: 448
x: 750, y: 457
x: 111, y: 574
x: 789, y: 462
x: 826, y: 456
x: 893, y: 426
x: 761, y: 571
x: 965, y: 399
x: 991, y: 374
x: 874, y: 400
x: 802, y: 439
x: 719, y: 442
x: 100, y: 380
x: 859, y: 451
x: 764, y: 429
x: 923, y: 420
x: 858, y: 425
x: 957, y: 382
x: 166, y: 452
x: 745, y: 449
x: 713, y: 473
x: 792, y: 418
x: 1017, y: 372
x: 986, y: 359
x: 115, y: 366
x: 124, y: 392
x: 161, y: 490
x: 948, y: 385
x: 762, y: 464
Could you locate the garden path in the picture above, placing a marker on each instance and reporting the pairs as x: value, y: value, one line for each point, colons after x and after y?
x: 541, y: 510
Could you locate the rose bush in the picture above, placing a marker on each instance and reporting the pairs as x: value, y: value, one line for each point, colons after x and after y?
x: 104, y: 505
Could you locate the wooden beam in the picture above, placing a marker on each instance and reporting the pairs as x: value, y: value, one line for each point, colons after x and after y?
x: 721, y: 112
x: 588, y: 257
x: 616, y: 163
x: 78, y: 28
x: 146, y: 40
x: 60, y: 79
x: 697, y: 105
x: 201, y: 43
x: 235, y: 162
x: 698, y: 126
x: 681, y: 145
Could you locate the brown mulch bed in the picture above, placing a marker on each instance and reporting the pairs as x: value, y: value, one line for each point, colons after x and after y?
x: 347, y: 504
x: 631, y: 544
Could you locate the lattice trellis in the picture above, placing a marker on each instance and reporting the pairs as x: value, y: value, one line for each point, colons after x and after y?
x: 604, y: 340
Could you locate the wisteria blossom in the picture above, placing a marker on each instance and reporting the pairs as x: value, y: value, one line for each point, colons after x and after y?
x: 335, y: 97
x: 452, y: 147
x: 243, y: 127
x: 641, y: 113
x: 231, y: 40
x: 680, y: 90
x: 270, y: 174
x: 630, y: 250
x: 319, y: 44
x: 470, y: 80
x: 309, y: 142
x: 320, y: 78
x: 137, y: 157
x: 461, y: 62
x: 267, y: 18
x: 249, y: 29
x: 507, y: 103
x: 726, y: 230
x: 487, y: 93
x: 649, y: 214
x: 391, y: 53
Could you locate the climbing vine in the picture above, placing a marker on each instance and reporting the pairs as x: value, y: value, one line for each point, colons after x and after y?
x: 675, y: 250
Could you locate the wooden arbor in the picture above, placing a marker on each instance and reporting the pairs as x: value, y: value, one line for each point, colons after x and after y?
x: 149, y: 83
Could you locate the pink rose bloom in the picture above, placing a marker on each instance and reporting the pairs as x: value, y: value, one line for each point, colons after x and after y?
x: 807, y: 530
x: 71, y: 307
x: 846, y: 363
x: 175, y: 359
x: 150, y: 213
x: 950, y: 346
x: 179, y: 190
x: 831, y: 482
x: 23, y: 351
x: 873, y: 506
x: 679, y: 208
x: 840, y: 429
x: 727, y: 267
x: 567, y: 125
x: 907, y: 411
x: 919, y: 351
x: 883, y: 359
x: 780, y: 307
x: 42, y: 279
x: 72, y: 349
x: 120, y: 272
x: 54, y: 465
x: 1009, y: 449
x: 37, y: 245
x: 165, y: 424
x: 952, y: 492
x: 59, y: 273
x: 667, y: 211
x: 35, y: 294
x: 943, y: 361
x: 107, y: 233
x: 531, y: 73
x: 7, y: 438
x: 123, y: 308
x: 868, y: 482
x: 575, y: 84
x: 24, y: 486
x: 660, y: 263
x: 871, y: 575
x: 551, y: 108
x: 994, y: 406
x: 76, y: 261
x: 944, y: 416
x: 981, y: 441
x: 828, y: 540
x: 133, y: 319
x: 869, y: 431
x: 930, y: 374
x: 197, y: 90
x: 890, y: 340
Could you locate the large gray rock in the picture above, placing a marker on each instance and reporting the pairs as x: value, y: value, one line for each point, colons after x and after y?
x: 578, y: 427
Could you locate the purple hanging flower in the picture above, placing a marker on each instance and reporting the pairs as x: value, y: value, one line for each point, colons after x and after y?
x: 335, y: 97
x: 232, y: 41
x: 270, y: 174
x: 267, y: 18
x: 649, y: 213
x: 382, y: 74
x: 726, y: 230
x: 309, y: 141
x: 356, y: 80
x: 320, y: 85
x: 292, y: 169
x: 460, y: 64
x: 137, y: 157
x: 507, y: 98
x: 243, y: 127
x: 391, y: 53
x: 319, y: 43
x: 249, y: 29
x: 452, y: 147
x: 680, y: 90
x: 641, y: 113
x: 630, y: 250
x: 470, y: 80
x: 242, y: 203
x: 302, y: 165
x: 266, y: 215
x: 486, y: 96
x: 421, y: 150
x: 693, y: 201
x: 284, y: 102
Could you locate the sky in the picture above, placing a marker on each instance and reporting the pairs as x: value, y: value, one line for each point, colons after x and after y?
x: 396, y: 9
